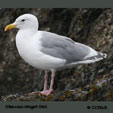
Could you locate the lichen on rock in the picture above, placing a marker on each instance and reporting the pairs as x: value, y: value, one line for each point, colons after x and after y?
x: 93, y: 27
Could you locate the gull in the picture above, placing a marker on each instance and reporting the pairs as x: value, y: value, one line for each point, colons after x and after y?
x: 49, y: 51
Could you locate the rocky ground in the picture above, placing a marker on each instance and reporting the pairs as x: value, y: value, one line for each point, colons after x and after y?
x: 93, y: 27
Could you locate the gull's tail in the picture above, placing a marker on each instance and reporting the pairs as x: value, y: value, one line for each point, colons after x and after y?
x: 98, y: 57
x: 103, y: 55
x: 91, y: 59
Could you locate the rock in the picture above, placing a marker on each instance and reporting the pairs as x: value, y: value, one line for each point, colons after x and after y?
x: 93, y: 27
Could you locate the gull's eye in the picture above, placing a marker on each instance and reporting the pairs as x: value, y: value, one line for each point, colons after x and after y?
x: 23, y: 20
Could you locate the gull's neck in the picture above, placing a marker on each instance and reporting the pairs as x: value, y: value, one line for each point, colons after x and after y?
x: 24, y: 38
x: 26, y: 33
x: 29, y: 30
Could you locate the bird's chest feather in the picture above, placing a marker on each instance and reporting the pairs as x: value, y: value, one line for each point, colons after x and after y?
x: 28, y: 48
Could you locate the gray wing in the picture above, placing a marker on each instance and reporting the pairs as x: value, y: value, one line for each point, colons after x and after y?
x: 63, y: 47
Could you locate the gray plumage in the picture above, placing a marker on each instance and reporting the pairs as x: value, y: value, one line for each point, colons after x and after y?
x: 64, y: 48
x: 49, y: 51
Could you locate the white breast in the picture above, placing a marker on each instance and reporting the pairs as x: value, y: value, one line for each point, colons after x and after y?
x: 29, y: 46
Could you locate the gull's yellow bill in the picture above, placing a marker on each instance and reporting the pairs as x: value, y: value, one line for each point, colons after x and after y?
x: 10, y: 26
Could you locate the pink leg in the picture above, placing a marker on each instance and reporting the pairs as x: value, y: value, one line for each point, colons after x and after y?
x: 45, y: 91
x: 45, y: 84
x: 52, y: 81
x: 45, y: 81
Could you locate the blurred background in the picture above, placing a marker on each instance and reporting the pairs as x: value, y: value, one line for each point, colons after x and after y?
x: 93, y: 27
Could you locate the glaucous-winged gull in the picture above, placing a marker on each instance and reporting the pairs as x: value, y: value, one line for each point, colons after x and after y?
x: 49, y: 51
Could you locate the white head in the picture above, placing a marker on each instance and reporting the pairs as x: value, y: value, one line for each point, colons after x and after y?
x: 25, y: 21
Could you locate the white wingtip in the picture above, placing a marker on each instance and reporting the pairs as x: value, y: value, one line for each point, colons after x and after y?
x: 104, y: 55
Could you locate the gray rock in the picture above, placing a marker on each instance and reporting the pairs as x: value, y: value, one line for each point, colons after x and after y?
x: 93, y: 27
